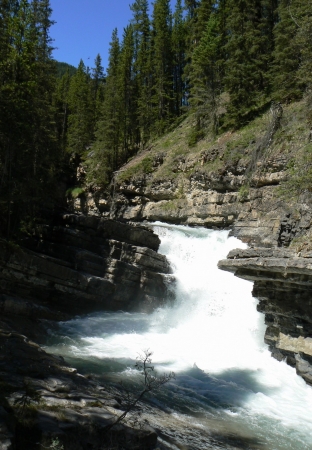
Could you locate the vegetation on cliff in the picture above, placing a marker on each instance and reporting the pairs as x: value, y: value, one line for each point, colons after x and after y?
x: 220, y: 64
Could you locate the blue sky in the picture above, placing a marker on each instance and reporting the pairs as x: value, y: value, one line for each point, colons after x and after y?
x: 83, y: 28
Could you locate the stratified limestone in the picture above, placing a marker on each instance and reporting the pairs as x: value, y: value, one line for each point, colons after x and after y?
x: 81, y: 265
x: 283, y: 284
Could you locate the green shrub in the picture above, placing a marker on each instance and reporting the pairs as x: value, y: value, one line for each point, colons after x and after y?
x: 300, y: 174
x: 76, y: 192
x: 195, y: 136
x: 243, y: 193
x: 144, y: 167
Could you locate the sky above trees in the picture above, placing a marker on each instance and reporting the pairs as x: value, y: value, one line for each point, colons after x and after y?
x: 84, y: 28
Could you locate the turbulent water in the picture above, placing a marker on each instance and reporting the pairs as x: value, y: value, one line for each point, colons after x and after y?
x: 212, y: 338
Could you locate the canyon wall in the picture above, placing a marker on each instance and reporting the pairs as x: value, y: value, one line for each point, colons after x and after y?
x: 282, y: 275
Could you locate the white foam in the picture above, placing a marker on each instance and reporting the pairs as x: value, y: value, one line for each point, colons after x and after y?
x: 213, y: 327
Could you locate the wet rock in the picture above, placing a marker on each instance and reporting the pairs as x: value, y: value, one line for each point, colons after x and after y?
x: 73, y: 411
x: 84, y: 264
x: 283, y: 285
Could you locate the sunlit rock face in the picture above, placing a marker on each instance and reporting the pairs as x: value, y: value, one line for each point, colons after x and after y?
x: 227, y: 197
x: 259, y: 216
x: 283, y: 285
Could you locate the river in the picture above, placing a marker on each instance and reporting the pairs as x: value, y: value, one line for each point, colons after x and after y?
x: 228, y: 389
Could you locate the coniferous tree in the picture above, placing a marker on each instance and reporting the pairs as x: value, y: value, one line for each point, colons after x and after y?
x: 61, y: 105
x: 80, y: 120
x: 304, y: 43
x: 105, y: 151
x: 178, y: 52
x: 142, y: 68
x: 97, y: 87
x: 97, y: 75
x: 162, y: 65
x: 206, y: 75
x: 286, y: 85
x: 246, y: 62
x: 203, y: 12
x: 28, y: 151
x: 190, y: 6
x: 129, y: 129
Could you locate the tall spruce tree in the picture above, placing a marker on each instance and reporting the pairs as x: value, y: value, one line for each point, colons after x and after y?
x: 97, y: 87
x: 104, y: 158
x: 246, y: 62
x: 178, y: 55
x: 162, y: 65
x: 287, y: 54
x: 80, y: 120
x: 142, y: 68
x: 304, y: 44
x: 28, y: 151
x: 206, y: 76
x: 129, y: 129
x: 61, y: 105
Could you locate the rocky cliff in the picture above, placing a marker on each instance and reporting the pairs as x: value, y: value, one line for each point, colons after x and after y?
x: 231, y: 181
x: 283, y: 284
x: 83, y: 264
x: 80, y: 264
x: 238, y: 181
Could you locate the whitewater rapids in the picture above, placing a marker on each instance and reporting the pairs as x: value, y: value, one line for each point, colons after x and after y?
x: 212, y: 338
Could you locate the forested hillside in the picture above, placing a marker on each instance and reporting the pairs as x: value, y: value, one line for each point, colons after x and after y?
x: 225, y: 62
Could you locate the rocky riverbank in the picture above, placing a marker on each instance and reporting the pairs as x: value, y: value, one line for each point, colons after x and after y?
x: 283, y: 284
x: 79, y: 265
x: 234, y: 181
x: 102, y: 258
x: 274, y: 229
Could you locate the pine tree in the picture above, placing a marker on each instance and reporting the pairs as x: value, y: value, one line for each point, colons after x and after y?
x: 97, y: 75
x: 191, y: 6
x: 81, y: 105
x: 206, y: 75
x: 285, y: 82
x: 162, y: 64
x: 97, y: 87
x: 105, y: 151
x: 246, y: 63
x: 203, y: 12
x: 142, y: 68
x: 61, y: 105
x: 304, y: 43
x: 28, y: 152
x: 178, y: 52
x: 129, y: 132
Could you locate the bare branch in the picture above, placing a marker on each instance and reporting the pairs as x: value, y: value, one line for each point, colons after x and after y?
x: 152, y: 382
x: 292, y: 17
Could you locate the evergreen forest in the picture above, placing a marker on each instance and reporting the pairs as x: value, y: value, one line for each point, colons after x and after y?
x: 224, y: 61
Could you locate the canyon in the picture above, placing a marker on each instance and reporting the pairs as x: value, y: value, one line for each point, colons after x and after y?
x: 102, y: 255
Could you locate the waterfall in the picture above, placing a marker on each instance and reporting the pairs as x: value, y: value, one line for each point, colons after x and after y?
x: 212, y: 338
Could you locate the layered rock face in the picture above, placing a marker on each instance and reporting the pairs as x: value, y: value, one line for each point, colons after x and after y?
x: 81, y: 265
x: 257, y: 214
x: 283, y: 284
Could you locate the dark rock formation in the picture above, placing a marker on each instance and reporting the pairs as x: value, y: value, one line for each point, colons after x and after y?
x: 43, y: 401
x: 83, y: 264
x: 283, y: 285
x: 80, y: 265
